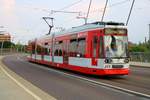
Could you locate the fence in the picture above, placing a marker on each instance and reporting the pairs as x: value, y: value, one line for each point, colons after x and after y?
x: 134, y: 56
x: 140, y: 56
x: 7, y: 51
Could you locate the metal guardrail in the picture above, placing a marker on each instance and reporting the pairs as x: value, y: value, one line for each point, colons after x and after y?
x: 140, y: 56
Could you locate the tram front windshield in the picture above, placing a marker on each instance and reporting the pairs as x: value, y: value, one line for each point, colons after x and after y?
x: 115, y: 45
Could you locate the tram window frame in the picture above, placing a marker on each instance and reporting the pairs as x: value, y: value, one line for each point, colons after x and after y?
x: 46, y: 49
x: 33, y: 49
x: 95, y: 42
x: 73, y: 47
x: 101, y: 49
x: 56, y: 52
x: 60, y: 52
x: 38, y: 49
x: 81, y: 50
x: 49, y: 48
x: 58, y: 48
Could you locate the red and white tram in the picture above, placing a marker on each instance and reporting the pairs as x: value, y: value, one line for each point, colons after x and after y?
x: 99, y: 48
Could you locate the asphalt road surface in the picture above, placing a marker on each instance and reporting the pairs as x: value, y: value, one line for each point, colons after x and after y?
x: 65, y: 87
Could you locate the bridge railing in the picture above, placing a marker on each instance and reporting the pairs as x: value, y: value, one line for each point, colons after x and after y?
x: 134, y: 56
x: 7, y: 51
x: 140, y: 56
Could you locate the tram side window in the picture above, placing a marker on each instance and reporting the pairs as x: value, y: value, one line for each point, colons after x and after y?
x: 39, y: 49
x: 56, y: 52
x: 50, y: 48
x: 33, y: 49
x: 95, y: 41
x: 73, y: 47
x: 60, y: 52
x: 58, y: 49
x: 81, y: 47
x: 46, y: 49
x: 101, y: 52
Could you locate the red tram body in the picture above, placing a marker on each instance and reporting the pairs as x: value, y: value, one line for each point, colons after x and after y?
x: 99, y: 48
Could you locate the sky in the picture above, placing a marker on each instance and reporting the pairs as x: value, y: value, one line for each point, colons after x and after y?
x: 23, y: 18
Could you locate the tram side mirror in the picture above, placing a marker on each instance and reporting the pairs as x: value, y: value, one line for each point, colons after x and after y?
x: 78, y: 55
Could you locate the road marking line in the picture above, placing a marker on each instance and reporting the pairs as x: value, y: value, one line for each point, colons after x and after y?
x: 22, y: 86
x: 99, y: 83
x: 111, y: 86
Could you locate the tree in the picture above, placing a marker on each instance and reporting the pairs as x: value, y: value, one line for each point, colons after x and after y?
x: 7, y: 44
x: 141, y: 47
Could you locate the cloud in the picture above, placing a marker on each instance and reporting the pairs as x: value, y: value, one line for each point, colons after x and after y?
x: 8, y: 5
x: 8, y: 16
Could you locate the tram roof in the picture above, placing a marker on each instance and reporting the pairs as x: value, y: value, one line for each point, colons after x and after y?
x: 85, y: 27
x: 89, y: 26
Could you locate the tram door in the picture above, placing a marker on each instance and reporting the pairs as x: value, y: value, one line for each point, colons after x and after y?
x: 65, y: 51
x: 95, y: 49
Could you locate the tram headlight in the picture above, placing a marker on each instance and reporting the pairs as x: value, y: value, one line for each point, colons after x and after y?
x: 108, y: 60
x: 126, y: 60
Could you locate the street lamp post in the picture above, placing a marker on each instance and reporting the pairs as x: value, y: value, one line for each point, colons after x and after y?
x: 149, y: 34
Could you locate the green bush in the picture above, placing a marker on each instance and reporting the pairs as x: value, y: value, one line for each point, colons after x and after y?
x: 139, y: 48
x: 6, y: 44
